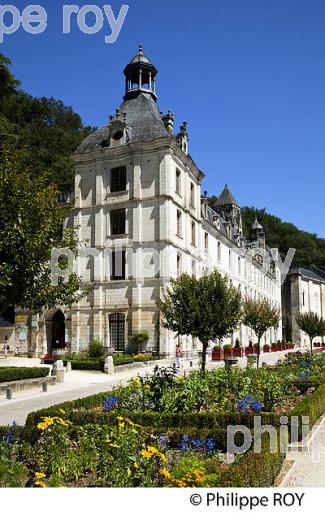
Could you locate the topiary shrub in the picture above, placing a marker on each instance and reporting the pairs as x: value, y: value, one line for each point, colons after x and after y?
x: 95, y: 349
x: 137, y: 341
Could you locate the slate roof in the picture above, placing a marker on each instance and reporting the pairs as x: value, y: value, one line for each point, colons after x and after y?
x: 143, y: 120
x: 310, y: 272
x: 226, y: 198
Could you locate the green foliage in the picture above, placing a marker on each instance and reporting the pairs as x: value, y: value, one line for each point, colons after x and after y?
x: 8, y: 83
x: 207, y: 308
x: 43, y: 132
x: 17, y: 373
x: 31, y: 223
x: 260, y: 316
x: 312, y: 324
x: 138, y: 340
x: 310, y: 249
x: 95, y: 349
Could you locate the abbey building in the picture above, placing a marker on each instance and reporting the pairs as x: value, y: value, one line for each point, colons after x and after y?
x: 138, y: 204
x: 142, y: 219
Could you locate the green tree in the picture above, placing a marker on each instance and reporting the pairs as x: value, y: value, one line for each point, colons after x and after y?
x: 312, y: 324
x: 206, y: 308
x: 31, y: 225
x: 8, y: 83
x: 260, y: 316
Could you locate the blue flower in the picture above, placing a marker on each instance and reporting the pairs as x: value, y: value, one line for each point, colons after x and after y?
x: 8, y: 438
x: 163, y: 440
x: 210, y: 445
x: 197, y: 444
x: 109, y: 403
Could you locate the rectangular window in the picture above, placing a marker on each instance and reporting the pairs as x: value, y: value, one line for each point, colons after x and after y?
x: 193, y: 232
x: 117, y: 331
x: 118, y: 179
x: 178, y: 181
x: 118, y: 222
x: 118, y: 265
x: 179, y: 223
x: 206, y: 241
x: 192, y: 194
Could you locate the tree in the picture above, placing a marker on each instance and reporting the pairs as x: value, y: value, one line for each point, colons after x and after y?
x: 260, y: 316
x: 206, y: 308
x: 312, y: 324
x: 31, y: 225
x: 8, y: 83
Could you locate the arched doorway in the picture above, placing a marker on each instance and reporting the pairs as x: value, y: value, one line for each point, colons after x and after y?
x: 58, y: 332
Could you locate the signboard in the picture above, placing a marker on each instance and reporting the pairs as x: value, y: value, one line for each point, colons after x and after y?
x: 22, y: 333
x: 21, y: 318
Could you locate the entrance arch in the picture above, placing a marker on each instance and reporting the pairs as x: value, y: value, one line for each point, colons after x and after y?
x: 58, y: 331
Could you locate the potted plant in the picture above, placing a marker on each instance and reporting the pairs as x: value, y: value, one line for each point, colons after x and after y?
x: 250, y: 349
x: 237, y: 350
x: 217, y: 353
x: 279, y: 346
x: 227, y: 349
x: 274, y: 347
x: 267, y: 348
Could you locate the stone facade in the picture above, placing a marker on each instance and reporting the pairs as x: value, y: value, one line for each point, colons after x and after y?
x: 138, y: 200
x: 303, y: 291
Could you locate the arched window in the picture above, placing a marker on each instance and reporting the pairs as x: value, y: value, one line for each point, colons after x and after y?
x: 117, y: 331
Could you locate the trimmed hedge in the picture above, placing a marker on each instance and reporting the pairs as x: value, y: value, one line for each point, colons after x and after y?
x: 254, y: 469
x: 87, y: 364
x: 8, y: 374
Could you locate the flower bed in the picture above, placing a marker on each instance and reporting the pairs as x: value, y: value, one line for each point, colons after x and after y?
x: 166, y: 430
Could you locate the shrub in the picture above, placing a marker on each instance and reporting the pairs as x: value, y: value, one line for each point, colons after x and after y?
x: 91, y: 364
x: 8, y: 374
x: 95, y: 349
x: 237, y: 343
x: 137, y: 341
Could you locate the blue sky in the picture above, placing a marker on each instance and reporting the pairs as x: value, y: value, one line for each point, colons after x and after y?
x: 247, y: 75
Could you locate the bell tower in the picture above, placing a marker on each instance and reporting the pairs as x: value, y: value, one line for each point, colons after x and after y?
x: 140, y: 76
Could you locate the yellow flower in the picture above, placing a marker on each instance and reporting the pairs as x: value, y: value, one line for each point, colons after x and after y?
x: 62, y: 411
x: 165, y: 473
x: 180, y: 483
x: 199, y: 476
x: 39, y: 483
x: 151, y: 451
x: 136, y: 465
x: 59, y: 420
x: 39, y: 475
x: 42, y: 426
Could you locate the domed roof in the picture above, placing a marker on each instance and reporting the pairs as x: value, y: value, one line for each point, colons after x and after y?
x: 140, y: 57
x: 256, y: 224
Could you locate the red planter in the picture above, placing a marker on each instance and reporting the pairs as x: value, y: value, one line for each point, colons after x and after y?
x: 249, y: 350
x: 266, y: 348
x: 274, y: 348
x: 228, y: 353
x: 237, y: 352
x: 217, y: 355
